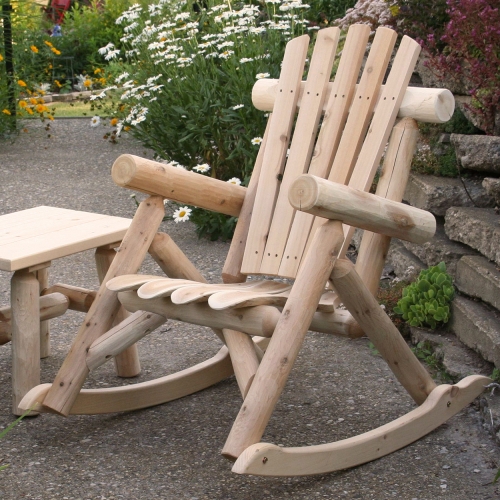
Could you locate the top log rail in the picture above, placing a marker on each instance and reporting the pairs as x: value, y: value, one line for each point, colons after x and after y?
x: 422, y: 104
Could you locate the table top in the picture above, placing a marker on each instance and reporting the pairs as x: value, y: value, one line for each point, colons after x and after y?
x: 42, y: 234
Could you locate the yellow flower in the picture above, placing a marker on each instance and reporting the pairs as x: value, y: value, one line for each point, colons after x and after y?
x: 87, y: 83
x: 126, y: 128
x: 113, y: 122
x: 22, y: 104
x: 40, y: 108
x: 1, y: 58
x: 46, y: 42
x: 97, y: 71
x: 56, y: 52
x: 57, y: 83
x: 33, y: 101
x: 102, y: 81
x: 21, y: 83
x: 50, y: 117
x: 6, y: 112
x: 34, y: 49
x: 29, y: 110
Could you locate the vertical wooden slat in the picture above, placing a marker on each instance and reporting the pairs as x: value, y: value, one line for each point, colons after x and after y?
x: 275, y: 152
x: 383, y: 121
x: 231, y: 273
x: 302, y: 144
x: 363, y: 103
x: 42, y: 275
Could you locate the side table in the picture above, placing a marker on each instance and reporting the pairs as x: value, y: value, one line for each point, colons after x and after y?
x: 29, y: 241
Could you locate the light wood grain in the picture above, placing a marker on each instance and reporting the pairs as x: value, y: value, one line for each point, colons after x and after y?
x: 127, y: 362
x: 264, y: 459
x: 25, y: 322
x: 99, y: 319
x: 285, y: 342
x: 427, y: 105
x: 42, y: 234
x: 80, y: 299
x: 363, y: 210
x: 50, y: 306
x: 275, y: 152
x: 381, y: 331
x: 177, y: 184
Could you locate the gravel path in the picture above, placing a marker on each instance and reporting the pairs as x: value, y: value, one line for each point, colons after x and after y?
x: 338, y: 388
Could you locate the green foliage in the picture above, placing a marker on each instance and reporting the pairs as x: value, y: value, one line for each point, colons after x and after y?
x: 187, y: 83
x: 427, y: 162
x: 325, y: 11
x: 426, y: 301
x: 213, y: 225
x: 425, y: 351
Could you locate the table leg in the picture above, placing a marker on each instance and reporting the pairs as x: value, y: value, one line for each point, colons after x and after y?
x: 127, y: 362
x: 25, y: 293
x: 42, y: 276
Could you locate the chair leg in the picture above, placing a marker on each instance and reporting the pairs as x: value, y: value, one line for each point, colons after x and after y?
x: 98, y: 320
x: 127, y: 363
x: 380, y: 330
x: 286, y: 341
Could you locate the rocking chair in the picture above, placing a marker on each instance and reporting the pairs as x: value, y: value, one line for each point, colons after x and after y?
x: 296, y: 223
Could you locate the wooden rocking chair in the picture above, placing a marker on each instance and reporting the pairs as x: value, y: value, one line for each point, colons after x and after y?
x: 294, y: 222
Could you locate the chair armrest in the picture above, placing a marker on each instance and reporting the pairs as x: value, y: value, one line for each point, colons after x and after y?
x: 177, y: 184
x: 360, y: 209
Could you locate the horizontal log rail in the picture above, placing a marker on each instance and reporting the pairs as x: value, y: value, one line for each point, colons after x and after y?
x: 357, y: 208
x: 178, y: 185
x: 422, y: 104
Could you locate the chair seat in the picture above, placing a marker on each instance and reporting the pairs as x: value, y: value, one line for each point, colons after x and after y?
x: 32, y: 237
x: 219, y: 296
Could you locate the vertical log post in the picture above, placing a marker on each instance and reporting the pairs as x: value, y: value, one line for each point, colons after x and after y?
x: 101, y: 315
x: 25, y: 322
x: 127, y: 362
x: 42, y: 275
x: 286, y: 341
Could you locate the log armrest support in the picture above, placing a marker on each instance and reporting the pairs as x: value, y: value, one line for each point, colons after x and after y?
x: 357, y: 208
x: 177, y: 184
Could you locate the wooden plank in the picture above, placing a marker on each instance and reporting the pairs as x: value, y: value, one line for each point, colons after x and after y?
x: 42, y: 275
x: 98, y: 320
x: 301, y: 148
x: 50, y: 245
x: 383, y: 120
x: 334, y: 121
x: 275, y: 152
x: 231, y: 273
x: 264, y: 459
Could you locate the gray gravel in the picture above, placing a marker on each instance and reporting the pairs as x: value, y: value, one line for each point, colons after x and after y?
x: 338, y: 388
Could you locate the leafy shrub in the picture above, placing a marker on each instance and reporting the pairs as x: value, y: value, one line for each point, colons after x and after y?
x: 426, y: 301
x: 186, y: 93
x: 472, y: 56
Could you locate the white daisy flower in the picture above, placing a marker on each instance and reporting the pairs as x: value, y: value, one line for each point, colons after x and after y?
x: 94, y: 121
x: 256, y: 141
x: 238, y: 106
x: 182, y: 214
x: 234, y: 180
x: 259, y: 76
x: 203, y: 168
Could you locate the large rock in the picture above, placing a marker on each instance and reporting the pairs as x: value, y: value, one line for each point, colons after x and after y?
x: 492, y: 188
x: 478, y: 327
x: 404, y: 263
x: 478, y: 228
x: 479, y: 278
x: 478, y: 152
x: 440, y: 249
x: 437, y: 194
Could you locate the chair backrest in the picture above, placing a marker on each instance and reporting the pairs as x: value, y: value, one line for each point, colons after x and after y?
x: 340, y: 133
